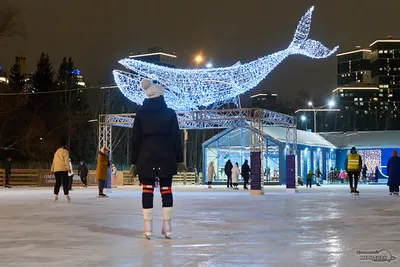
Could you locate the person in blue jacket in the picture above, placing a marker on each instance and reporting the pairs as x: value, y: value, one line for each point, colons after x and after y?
x: 393, y: 170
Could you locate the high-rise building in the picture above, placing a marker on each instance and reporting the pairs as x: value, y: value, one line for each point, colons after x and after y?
x: 372, y: 75
x: 265, y: 101
x: 156, y: 55
x: 354, y: 67
x: 385, y: 62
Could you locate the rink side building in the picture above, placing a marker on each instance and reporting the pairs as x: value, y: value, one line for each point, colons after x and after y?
x: 324, y: 150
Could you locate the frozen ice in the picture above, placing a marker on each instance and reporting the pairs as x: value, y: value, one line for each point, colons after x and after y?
x: 322, y: 226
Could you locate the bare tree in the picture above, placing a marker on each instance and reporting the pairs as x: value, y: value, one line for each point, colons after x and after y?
x: 9, y: 22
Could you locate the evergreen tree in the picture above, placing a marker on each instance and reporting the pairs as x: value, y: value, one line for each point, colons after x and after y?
x: 16, y: 78
x: 43, y: 76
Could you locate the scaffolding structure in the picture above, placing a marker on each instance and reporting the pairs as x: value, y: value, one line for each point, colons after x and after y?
x: 255, y: 119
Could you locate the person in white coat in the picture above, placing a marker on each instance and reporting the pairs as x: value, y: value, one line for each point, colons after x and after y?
x: 235, y: 176
x: 70, y: 175
x: 210, y: 174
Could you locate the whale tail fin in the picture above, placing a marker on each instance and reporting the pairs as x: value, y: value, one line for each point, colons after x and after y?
x: 307, y: 47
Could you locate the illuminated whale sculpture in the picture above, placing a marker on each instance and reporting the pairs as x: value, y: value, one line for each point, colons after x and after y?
x: 191, y: 89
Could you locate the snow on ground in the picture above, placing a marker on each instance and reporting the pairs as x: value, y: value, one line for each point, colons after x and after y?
x: 322, y: 226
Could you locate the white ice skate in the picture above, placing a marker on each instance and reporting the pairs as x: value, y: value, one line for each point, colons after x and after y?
x: 55, y: 198
x: 67, y: 198
x: 167, y: 228
x: 148, y: 223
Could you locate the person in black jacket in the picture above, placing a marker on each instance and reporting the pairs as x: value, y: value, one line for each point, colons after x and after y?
x: 83, y: 173
x: 156, y: 153
x: 228, y: 172
x: 7, y: 168
x: 246, y: 173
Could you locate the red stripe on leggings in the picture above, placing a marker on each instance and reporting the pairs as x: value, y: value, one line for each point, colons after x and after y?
x: 148, y: 191
x: 166, y: 192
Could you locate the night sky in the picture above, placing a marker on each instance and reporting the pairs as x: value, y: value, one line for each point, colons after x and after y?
x: 96, y: 33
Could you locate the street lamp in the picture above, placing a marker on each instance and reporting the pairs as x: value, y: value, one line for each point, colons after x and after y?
x: 198, y: 59
x: 330, y: 104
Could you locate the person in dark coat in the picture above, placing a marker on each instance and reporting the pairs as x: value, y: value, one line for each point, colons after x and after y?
x: 393, y: 170
x: 156, y: 153
x: 83, y: 173
x: 7, y: 169
x: 364, y: 173
x: 228, y: 172
x: 246, y: 173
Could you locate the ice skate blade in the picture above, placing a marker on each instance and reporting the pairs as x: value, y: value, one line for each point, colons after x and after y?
x: 168, y: 237
x: 148, y: 237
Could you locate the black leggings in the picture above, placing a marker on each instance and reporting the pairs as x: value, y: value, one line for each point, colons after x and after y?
x: 209, y: 183
x: 102, y: 184
x: 229, y: 181
x: 393, y: 189
x: 309, y: 182
x: 61, y: 177
x: 148, y: 192
x: 356, y: 176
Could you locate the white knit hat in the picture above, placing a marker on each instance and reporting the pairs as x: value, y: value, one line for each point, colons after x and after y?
x: 151, y: 90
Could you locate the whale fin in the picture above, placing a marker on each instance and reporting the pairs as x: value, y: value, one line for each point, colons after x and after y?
x: 310, y: 48
x: 237, y: 64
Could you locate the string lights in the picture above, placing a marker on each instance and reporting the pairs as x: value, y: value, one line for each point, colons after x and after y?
x: 190, y: 89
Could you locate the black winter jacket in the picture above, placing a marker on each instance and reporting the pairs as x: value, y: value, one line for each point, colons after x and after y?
x: 246, y: 170
x: 83, y: 170
x: 228, y: 168
x: 156, y: 145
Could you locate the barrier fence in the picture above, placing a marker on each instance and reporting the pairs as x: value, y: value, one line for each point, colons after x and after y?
x: 43, y: 178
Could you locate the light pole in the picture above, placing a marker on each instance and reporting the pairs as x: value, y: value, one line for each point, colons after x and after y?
x: 330, y: 104
x: 198, y: 59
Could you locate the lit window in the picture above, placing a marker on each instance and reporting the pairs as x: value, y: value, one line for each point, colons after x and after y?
x: 375, y: 99
x: 366, y: 112
x: 381, y: 95
x: 341, y: 95
x: 361, y: 72
x: 380, y: 52
x: 356, y: 99
x: 358, y: 81
x: 385, y: 51
x: 361, y: 99
x: 361, y: 103
x: 391, y: 95
x: 380, y: 86
x: 356, y: 103
x: 341, y: 90
x: 380, y: 69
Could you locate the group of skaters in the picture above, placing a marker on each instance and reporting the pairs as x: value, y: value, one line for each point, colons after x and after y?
x: 354, y: 167
x: 232, y: 172
x: 63, y: 171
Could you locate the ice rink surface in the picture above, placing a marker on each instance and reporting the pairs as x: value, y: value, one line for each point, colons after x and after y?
x: 323, y: 226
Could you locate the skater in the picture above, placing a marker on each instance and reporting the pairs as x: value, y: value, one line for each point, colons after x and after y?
x: 317, y: 176
x: 114, y: 173
x: 210, y: 174
x: 353, y: 165
x: 228, y: 172
x: 7, y: 169
x: 102, y: 170
x: 83, y: 173
x: 61, y: 168
x: 235, y: 176
x: 342, y: 176
x: 300, y: 181
x: 393, y: 170
x: 364, y: 173
x: 156, y: 153
x: 309, y: 178
x: 246, y: 174
x: 70, y: 175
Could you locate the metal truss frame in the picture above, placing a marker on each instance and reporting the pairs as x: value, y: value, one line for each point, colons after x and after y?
x: 211, y: 119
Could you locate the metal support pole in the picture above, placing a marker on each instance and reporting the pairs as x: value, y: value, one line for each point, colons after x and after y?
x: 315, y: 121
x: 185, y: 139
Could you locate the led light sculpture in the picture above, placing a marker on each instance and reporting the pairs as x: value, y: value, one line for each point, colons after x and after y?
x: 190, y: 89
